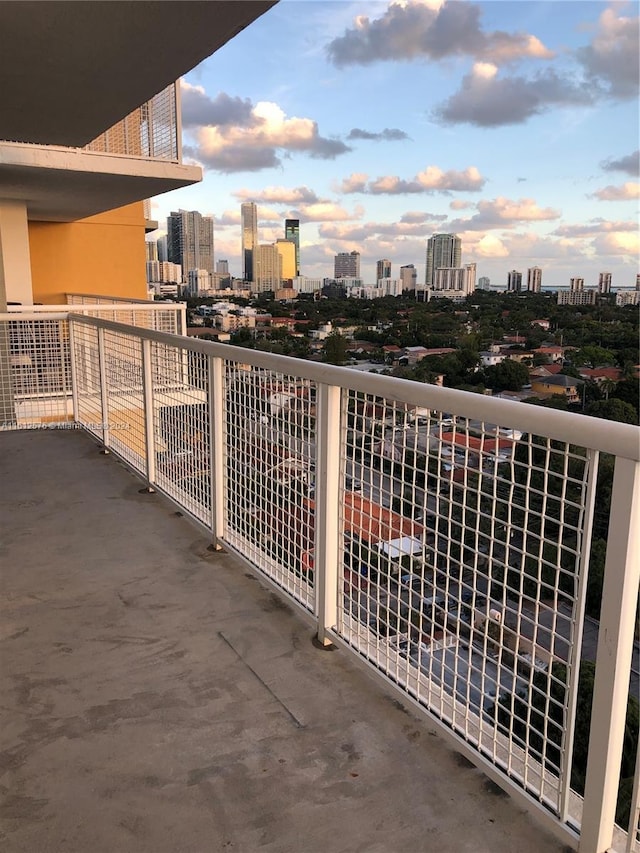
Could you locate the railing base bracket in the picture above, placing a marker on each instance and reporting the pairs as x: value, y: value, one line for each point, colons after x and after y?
x: 323, y: 645
x: 148, y: 490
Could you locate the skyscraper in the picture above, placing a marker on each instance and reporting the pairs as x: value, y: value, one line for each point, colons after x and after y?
x: 604, y: 282
x: 292, y: 233
x: 534, y: 279
x: 249, y: 219
x: 267, y: 263
x: 576, y: 284
x: 443, y: 250
x: 287, y: 251
x: 514, y: 281
x: 347, y: 265
x: 408, y: 277
x: 383, y: 269
x: 190, y: 240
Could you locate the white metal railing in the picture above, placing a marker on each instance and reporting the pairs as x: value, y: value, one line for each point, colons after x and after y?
x: 151, y: 131
x: 35, y: 371
x: 450, y: 551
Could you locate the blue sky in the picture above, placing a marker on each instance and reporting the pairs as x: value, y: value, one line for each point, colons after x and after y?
x: 513, y: 124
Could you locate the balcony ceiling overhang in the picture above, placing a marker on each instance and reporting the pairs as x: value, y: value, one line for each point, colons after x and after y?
x: 70, y: 70
x: 62, y: 185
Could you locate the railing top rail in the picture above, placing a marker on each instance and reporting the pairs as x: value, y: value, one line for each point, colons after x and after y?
x: 34, y: 315
x: 95, y: 306
x: 110, y: 298
x: 592, y: 433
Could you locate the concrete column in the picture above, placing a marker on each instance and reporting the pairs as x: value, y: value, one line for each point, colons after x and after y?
x: 15, y: 259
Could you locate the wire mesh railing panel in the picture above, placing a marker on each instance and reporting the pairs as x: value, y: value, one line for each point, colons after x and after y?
x: 182, y: 427
x: 86, y: 360
x: 125, y: 417
x: 35, y: 379
x: 462, y: 547
x: 270, y: 424
x: 150, y: 131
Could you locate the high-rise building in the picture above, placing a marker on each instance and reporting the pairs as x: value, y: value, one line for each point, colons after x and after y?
x: 534, y: 279
x: 163, y: 254
x: 151, y: 247
x: 222, y: 267
x: 249, y: 224
x: 514, y: 281
x: 408, y: 277
x: 347, y: 265
x: 287, y: 250
x: 484, y: 282
x: 267, y: 267
x: 383, y: 269
x: 292, y: 233
x: 604, y: 282
x: 454, y: 282
x: 443, y: 250
x: 190, y: 240
x: 576, y: 285
x: 198, y: 281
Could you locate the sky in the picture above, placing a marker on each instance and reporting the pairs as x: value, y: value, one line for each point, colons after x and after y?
x: 512, y: 124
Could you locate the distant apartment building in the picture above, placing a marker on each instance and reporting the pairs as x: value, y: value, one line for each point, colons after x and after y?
x: 163, y: 272
x: 453, y: 282
x: 628, y: 297
x: 604, y: 283
x: 249, y: 226
x: 347, y: 265
x: 383, y: 269
x: 267, y: 262
x: 384, y: 287
x: 443, y: 251
x: 222, y: 267
x: 576, y: 284
x: 151, y: 248
x: 534, y: 279
x: 577, y: 297
x: 409, y: 277
x: 304, y: 284
x: 514, y: 281
x: 292, y: 233
x: 198, y: 281
x: 287, y: 251
x: 484, y: 282
x: 190, y: 240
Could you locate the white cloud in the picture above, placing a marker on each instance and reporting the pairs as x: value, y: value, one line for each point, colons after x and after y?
x: 254, y: 144
x: 432, y: 179
x: 279, y: 195
x: 408, y: 30
x: 629, y: 190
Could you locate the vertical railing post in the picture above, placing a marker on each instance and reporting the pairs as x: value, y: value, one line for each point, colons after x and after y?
x: 577, y: 630
x: 75, y: 406
x: 327, y: 525
x: 147, y: 394
x: 217, y: 439
x: 104, y: 392
x: 613, y: 661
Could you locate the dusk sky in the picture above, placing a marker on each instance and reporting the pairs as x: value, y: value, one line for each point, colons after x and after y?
x: 512, y: 124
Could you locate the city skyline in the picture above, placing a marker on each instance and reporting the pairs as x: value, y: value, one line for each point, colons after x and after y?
x: 518, y: 132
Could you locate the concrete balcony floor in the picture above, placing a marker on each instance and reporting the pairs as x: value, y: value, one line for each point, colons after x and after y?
x: 157, y: 698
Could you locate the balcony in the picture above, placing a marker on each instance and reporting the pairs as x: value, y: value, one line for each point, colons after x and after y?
x: 445, y: 556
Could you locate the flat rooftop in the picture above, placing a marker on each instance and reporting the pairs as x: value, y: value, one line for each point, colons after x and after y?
x: 157, y: 698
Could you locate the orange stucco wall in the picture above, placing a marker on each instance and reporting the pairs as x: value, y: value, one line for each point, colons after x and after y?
x: 103, y: 254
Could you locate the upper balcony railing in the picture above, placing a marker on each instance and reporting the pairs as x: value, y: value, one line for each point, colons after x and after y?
x: 457, y: 544
x: 153, y: 131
